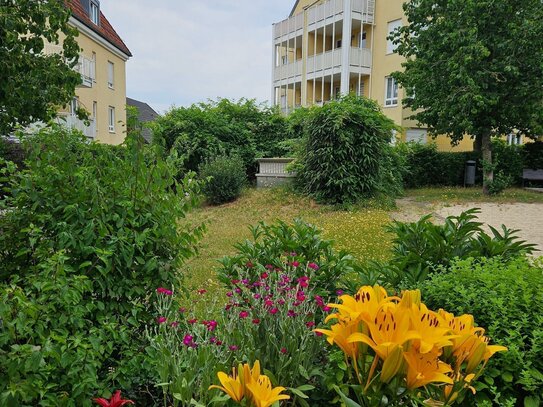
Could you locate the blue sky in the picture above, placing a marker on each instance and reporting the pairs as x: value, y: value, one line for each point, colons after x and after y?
x: 188, y: 51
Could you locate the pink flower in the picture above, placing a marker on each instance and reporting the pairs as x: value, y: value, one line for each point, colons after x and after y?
x: 281, y: 301
x: 256, y: 321
x: 300, y: 296
x: 264, y: 275
x: 249, y: 264
x: 174, y: 324
x: 310, y: 324
x: 313, y: 266
x: 211, y: 325
x: 188, y: 340
x: 233, y: 348
x: 291, y: 313
x: 234, y: 281
x: 213, y: 340
x: 238, y: 290
x: 318, y: 333
x: 269, y: 266
x: 202, y: 291
x: 257, y: 296
x: 326, y: 308
x: 161, y: 320
x: 164, y: 291
x: 339, y: 292
x: 182, y: 310
x: 319, y: 300
x: 274, y: 311
x: 243, y: 314
x: 218, y: 343
x: 284, y: 351
x: 293, y: 254
x: 295, y: 264
x: 229, y: 294
x: 192, y: 321
x: 268, y: 303
x: 114, y: 401
x: 245, y: 281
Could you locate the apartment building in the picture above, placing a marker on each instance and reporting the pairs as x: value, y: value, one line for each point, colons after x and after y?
x: 102, y: 65
x: 328, y: 48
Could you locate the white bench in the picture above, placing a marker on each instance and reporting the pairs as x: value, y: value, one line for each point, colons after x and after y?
x: 273, y: 172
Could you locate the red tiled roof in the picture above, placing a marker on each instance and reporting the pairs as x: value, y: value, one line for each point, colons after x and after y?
x: 104, y: 29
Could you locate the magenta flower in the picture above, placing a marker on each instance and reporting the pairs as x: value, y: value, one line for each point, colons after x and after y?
x: 161, y: 320
x: 319, y: 300
x: 339, y: 292
x: 284, y: 351
x: 211, y: 325
x: 326, y: 308
x: 243, y: 314
x: 174, y: 324
x: 188, y: 340
x: 213, y: 340
x: 269, y: 266
x: 281, y: 301
x: 192, y: 321
x: 257, y: 296
x: 229, y: 294
x: 313, y: 266
x: 165, y: 291
x: 264, y: 275
x: 274, y: 311
x: 295, y: 264
x: 182, y: 310
x: 256, y: 321
x: 234, y: 281
x: 202, y: 291
x: 218, y: 343
x: 245, y: 281
x: 318, y: 333
x: 238, y: 290
x: 249, y: 264
x: 233, y: 348
x: 268, y: 303
x: 291, y: 313
x: 310, y: 324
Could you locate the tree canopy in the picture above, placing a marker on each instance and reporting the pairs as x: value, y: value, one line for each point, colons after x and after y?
x: 474, y: 67
x: 33, y: 85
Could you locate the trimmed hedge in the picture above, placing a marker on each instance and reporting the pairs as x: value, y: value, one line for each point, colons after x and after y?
x: 426, y: 166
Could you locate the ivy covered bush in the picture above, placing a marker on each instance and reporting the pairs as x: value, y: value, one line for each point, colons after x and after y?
x: 86, y: 229
x: 345, y: 155
x: 505, y: 298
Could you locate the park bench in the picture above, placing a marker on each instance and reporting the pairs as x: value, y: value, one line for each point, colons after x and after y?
x: 532, y: 175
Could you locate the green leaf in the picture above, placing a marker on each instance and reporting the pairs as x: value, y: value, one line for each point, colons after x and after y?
x: 348, y: 402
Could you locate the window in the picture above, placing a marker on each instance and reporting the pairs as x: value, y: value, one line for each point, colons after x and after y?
x: 94, y: 13
x: 514, y: 139
x: 94, y: 110
x: 285, y: 60
x: 338, y: 44
x: 338, y: 92
x: 392, y: 26
x: 74, y: 105
x: 362, y: 43
x: 110, y: 74
x: 361, y: 89
x: 416, y: 135
x: 391, y: 93
x: 111, y: 115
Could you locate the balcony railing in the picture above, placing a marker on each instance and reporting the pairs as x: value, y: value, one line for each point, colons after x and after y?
x: 361, y: 57
x: 327, y: 60
x: 288, y: 70
x: 85, y: 66
x: 73, y: 122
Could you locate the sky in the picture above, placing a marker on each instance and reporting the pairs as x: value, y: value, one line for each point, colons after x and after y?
x: 189, y: 51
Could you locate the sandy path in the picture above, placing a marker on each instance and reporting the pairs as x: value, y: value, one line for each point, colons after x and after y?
x: 528, y: 218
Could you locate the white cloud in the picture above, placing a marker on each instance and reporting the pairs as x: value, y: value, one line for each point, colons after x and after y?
x: 188, y: 51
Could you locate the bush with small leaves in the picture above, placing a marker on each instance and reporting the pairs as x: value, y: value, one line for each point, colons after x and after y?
x: 224, y: 179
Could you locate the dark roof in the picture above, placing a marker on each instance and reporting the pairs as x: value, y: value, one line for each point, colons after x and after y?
x: 145, y: 114
x: 294, y: 8
x: 104, y: 29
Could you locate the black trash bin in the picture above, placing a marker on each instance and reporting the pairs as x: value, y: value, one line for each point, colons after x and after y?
x: 469, y: 173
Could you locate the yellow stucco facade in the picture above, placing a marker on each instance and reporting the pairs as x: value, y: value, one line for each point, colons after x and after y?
x: 102, y: 93
x: 315, y: 60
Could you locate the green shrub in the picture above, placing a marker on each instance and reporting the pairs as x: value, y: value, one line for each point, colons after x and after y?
x: 204, y: 131
x: 10, y: 151
x: 500, y: 183
x: 342, y: 159
x: 299, y: 243
x: 506, y: 299
x: 422, y: 247
x: 225, y: 179
x: 533, y: 155
x: 87, y: 229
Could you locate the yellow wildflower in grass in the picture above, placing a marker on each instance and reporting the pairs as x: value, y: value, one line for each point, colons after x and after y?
x: 263, y: 394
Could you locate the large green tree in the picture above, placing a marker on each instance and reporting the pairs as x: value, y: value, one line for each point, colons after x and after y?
x: 474, y: 68
x: 32, y: 84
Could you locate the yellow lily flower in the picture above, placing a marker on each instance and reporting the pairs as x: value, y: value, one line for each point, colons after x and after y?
x: 363, y: 306
x: 231, y: 385
x: 389, y: 330
x: 425, y: 368
x: 263, y: 394
x: 428, y: 324
x: 338, y: 334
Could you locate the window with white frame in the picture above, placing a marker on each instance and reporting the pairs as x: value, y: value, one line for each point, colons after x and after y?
x: 416, y: 136
x: 391, y: 91
x: 110, y: 74
x: 392, y: 26
x: 361, y: 88
x: 362, y: 42
x: 111, y: 119
x: 95, y: 13
x: 74, y: 105
x: 514, y: 139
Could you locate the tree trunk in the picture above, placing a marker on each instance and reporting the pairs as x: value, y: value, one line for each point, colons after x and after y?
x: 488, y: 170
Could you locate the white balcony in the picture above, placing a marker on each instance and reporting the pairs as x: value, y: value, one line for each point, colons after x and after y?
x: 85, y: 66
x: 327, y: 61
x: 288, y: 71
x: 73, y: 122
x: 360, y: 57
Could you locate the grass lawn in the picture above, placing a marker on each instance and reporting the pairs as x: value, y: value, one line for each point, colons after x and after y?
x: 359, y: 231
x: 457, y: 195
